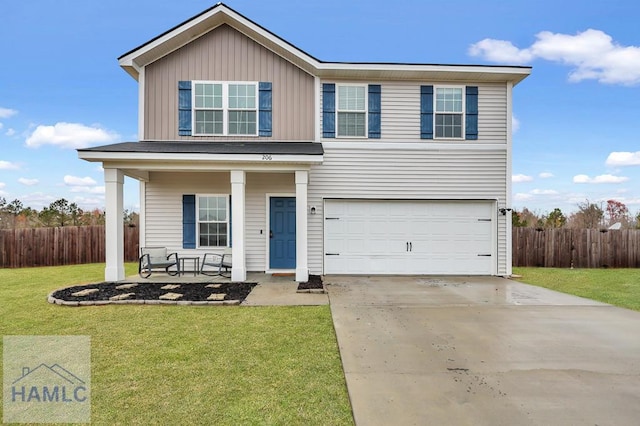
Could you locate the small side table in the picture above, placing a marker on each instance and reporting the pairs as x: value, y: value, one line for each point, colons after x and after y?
x: 196, y: 265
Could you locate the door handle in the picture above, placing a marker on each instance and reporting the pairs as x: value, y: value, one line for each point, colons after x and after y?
x: 407, y: 246
x: 270, y: 234
x: 410, y: 246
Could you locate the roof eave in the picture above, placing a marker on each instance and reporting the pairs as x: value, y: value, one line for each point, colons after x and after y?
x: 200, y: 25
x: 221, y: 14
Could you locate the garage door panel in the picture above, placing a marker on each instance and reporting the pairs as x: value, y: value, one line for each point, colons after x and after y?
x: 373, y: 237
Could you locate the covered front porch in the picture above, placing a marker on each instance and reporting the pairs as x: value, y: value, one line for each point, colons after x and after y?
x: 244, y: 178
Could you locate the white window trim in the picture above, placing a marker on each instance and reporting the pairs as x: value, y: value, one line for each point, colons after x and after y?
x: 228, y: 221
x: 225, y: 107
x: 463, y: 113
x: 366, y: 110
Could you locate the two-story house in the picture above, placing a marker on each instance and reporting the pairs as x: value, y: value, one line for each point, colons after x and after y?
x: 298, y: 164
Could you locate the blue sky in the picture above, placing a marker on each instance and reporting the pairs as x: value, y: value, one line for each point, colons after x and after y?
x: 577, y: 117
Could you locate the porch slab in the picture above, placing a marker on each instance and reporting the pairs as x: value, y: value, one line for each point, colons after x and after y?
x: 272, y: 290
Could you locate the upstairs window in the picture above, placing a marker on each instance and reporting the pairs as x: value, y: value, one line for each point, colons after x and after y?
x: 213, y: 220
x: 449, y: 116
x: 352, y: 111
x: 225, y: 108
x: 209, y: 112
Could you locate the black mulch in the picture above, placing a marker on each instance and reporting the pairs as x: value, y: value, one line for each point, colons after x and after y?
x: 196, y: 292
x: 314, y: 283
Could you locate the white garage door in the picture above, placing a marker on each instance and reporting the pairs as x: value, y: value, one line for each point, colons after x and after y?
x: 408, y: 237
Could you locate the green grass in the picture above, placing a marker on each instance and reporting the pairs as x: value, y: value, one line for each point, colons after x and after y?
x: 620, y: 287
x: 189, y: 365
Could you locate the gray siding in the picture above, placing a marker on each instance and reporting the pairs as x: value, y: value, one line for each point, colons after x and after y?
x: 164, y: 208
x: 400, y: 119
x: 406, y: 174
x: 224, y: 54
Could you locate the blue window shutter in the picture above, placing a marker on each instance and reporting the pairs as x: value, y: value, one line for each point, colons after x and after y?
x: 189, y: 221
x: 375, y: 95
x: 426, y: 112
x: 471, y: 119
x: 184, y: 108
x: 265, y: 109
x: 328, y: 110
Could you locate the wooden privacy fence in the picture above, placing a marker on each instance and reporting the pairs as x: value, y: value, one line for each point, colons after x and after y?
x: 580, y: 248
x: 561, y: 248
x: 66, y: 245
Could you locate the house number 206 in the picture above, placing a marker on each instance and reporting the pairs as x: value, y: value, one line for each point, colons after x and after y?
x: 267, y: 157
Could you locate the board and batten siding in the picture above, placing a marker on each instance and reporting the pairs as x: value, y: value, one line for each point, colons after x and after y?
x: 403, y: 174
x: 400, y: 116
x: 164, y: 209
x: 225, y: 54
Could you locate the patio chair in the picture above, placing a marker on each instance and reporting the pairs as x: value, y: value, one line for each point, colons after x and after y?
x: 221, y: 262
x: 155, y: 258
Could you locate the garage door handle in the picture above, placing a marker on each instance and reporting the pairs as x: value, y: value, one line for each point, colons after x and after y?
x: 407, y: 246
x: 485, y: 255
x: 410, y: 246
x: 332, y: 254
x: 331, y: 218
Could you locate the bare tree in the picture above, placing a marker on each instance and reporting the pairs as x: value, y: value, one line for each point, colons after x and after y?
x: 589, y: 215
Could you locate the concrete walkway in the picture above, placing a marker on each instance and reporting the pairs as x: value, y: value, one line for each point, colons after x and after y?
x: 483, y: 351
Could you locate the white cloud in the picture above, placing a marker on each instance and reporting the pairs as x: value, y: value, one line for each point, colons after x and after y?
x: 545, y: 175
x: 522, y: 197
x: 79, y: 181
x: 521, y: 178
x: 500, y: 51
x: 10, y: 132
x: 592, y: 53
x: 515, y: 124
x: 88, y: 189
x: 7, y: 112
x: 6, y: 165
x: 544, y: 192
x: 89, y: 203
x: 599, y: 179
x: 2, y: 185
x: 37, y: 200
x: 70, y: 135
x: 623, y: 159
x: 28, y: 182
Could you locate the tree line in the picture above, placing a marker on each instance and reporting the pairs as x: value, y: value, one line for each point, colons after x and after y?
x: 588, y: 215
x: 61, y: 212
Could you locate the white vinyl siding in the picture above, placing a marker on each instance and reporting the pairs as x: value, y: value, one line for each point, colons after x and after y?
x: 402, y: 174
x: 400, y: 116
x: 163, y: 204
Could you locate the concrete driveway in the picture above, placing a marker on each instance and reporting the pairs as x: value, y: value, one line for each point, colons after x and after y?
x: 483, y: 351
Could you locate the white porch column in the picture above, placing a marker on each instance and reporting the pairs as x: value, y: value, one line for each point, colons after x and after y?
x: 239, y: 269
x: 114, y: 241
x: 302, y: 267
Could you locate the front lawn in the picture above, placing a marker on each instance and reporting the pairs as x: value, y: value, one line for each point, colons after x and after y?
x: 189, y: 365
x: 620, y: 287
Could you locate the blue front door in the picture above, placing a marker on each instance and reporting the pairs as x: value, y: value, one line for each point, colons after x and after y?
x: 282, y: 233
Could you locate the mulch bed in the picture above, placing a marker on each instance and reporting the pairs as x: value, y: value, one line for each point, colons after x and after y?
x: 314, y: 283
x: 147, y: 292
